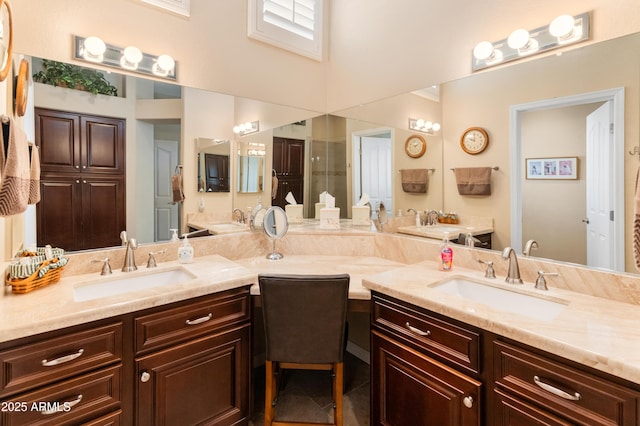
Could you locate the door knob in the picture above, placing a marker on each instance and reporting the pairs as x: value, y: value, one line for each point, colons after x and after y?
x: 586, y: 221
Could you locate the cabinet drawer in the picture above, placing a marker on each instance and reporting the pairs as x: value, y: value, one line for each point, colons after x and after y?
x: 514, y: 412
x: 70, y: 402
x: 449, y: 341
x: 179, y: 324
x: 563, y: 390
x: 57, y: 358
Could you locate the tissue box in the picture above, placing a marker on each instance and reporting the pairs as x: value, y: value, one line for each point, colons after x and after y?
x: 294, y: 212
x: 361, y: 215
x: 330, y: 218
x: 319, y: 206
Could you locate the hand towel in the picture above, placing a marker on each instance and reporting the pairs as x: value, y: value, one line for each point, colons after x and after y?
x: 176, y: 186
x: 34, y: 184
x: 473, y: 180
x: 274, y: 185
x: 414, y: 181
x: 636, y: 223
x: 15, y: 170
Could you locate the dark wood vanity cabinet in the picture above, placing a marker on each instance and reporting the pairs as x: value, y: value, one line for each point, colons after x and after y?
x: 424, y: 371
x: 193, y: 362
x: 184, y: 363
x: 427, y: 369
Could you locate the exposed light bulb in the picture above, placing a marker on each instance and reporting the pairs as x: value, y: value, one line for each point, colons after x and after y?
x: 562, y: 27
x: 131, y: 57
x: 419, y: 122
x: 94, y: 49
x: 483, y: 50
x: 436, y: 127
x: 428, y: 125
x: 164, y: 65
x: 518, y: 39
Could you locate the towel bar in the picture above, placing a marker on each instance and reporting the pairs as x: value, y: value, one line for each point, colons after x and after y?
x: 494, y: 168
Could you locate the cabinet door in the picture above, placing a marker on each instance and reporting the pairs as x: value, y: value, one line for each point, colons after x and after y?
x: 206, y: 381
x: 102, y: 144
x: 295, y: 158
x: 409, y: 388
x: 103, y: 211
x: 59, y: 213
x: 58, y: 137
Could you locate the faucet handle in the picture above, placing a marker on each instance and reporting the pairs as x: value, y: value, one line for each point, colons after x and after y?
x: 106, y: 267
x: 490, y: 272
x: 541, y: 283
x: 151, y: 263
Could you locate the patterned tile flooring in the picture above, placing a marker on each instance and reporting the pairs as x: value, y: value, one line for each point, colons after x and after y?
x: 306, y: 395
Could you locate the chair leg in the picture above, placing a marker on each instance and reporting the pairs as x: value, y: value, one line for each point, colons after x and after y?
x: 338, y: 383
x: 270, y: 386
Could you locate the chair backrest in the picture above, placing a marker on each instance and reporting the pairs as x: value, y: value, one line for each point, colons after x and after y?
x: 304, y: 317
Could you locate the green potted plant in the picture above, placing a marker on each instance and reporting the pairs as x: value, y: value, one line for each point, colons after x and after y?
x: 74, y: 77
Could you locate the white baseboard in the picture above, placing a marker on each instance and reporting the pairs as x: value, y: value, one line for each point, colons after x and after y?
x: 359, y: 352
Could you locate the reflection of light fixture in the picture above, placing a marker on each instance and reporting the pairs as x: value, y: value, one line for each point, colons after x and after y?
x: 247, y: 128
x: 93, y: 49
x: 131, y: 57
x: 420, y: 125
x: 562, y: 31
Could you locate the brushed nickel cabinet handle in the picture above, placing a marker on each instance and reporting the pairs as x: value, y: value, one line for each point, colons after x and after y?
x: 63, y: 407
x: 145, y: 376
x: 554, y: 390
x: 62, y: 359
x: 199, y: 320
x: 417, y: 330
x: 468, y: 401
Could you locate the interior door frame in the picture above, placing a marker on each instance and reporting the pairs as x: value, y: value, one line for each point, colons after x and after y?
x: 616, y: 96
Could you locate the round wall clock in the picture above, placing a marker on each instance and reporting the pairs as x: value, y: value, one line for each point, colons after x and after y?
x: 474, y: 140
x: 6, y: 38
x: 22, y: 88
x: 415, y: 146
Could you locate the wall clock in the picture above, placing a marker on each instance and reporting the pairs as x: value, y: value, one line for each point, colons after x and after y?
x: 22, y: 88
x: 474, y: 140
x: 415, y: 146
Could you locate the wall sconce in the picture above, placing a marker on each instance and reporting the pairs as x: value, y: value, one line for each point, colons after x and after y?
x: 563, y: 31
x: 247, y: 128
x: 420, y: 125
x: 93, y: 49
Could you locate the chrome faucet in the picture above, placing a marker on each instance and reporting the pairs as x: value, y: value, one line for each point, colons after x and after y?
x: 432, y: 218
x: 238, y: 215
x: 513, y: 276
x: 129, y: 259
x: 409, y: 210
x: 530, y: 245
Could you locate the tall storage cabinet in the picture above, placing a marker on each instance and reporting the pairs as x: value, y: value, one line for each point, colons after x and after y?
x: 82, y: 183
x: 288, y: 164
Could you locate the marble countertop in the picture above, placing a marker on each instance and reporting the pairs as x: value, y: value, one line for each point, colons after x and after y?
x: 442, y: 230
x: 593, y: 331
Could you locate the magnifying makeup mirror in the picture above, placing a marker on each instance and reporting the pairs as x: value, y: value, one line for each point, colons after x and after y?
x: 275, y: 226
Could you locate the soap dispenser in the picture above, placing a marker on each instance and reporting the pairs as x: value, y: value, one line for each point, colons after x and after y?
x: 446, y: 254
x: 185, y: 252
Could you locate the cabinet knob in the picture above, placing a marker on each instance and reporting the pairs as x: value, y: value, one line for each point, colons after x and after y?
x: 84, y: 167
x: 145, y: 377
x: 77, y: 167
x: 468, y: 401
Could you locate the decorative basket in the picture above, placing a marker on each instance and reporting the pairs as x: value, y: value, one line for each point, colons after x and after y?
x: 32, y: 271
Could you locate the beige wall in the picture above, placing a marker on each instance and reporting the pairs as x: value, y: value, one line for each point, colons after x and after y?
x: 484, y: 100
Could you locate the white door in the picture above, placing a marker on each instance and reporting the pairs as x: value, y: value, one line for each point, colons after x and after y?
x: 166, y: 214
x: 376, y: 174
x: 600, y: 214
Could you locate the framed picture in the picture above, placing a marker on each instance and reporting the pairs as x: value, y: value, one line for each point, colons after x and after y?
x: 181, y: 7
x: 552, y: 168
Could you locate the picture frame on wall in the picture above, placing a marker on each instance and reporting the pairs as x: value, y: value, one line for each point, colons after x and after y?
x: 552, y: 168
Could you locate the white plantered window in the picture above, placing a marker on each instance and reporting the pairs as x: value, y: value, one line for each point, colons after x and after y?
x: 295, y: 25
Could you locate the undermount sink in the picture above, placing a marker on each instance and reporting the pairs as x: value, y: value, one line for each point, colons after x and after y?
x: 106, y: 286
x: 226, y: 228
x: 520, y: 303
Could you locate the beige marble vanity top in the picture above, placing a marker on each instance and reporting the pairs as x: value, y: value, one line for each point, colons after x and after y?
x: 593, y: 331
x: 53, y: 307
x: 473, y: 225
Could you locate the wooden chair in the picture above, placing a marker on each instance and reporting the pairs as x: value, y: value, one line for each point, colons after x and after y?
x: 305, y: 327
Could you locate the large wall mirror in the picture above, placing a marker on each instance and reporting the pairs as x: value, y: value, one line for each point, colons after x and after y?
x: 480, y: 100
x: 214, y: 157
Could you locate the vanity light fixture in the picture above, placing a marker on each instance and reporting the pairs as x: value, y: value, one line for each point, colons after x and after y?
x: 93, y: 49
x: 420, y: 125
x: 247, y: 128
x: 562, y: 31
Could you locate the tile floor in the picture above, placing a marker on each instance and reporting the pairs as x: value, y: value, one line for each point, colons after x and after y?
x: 306, y: 395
